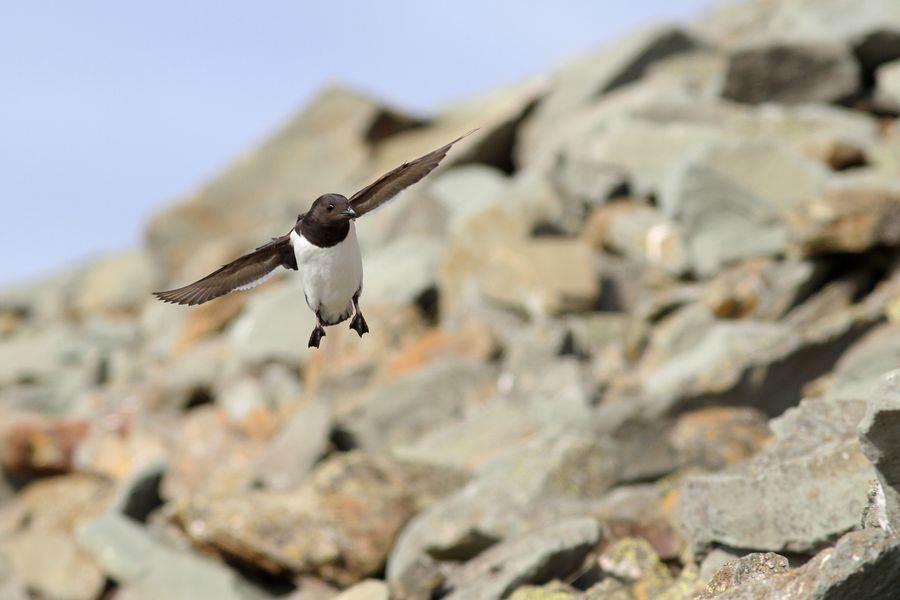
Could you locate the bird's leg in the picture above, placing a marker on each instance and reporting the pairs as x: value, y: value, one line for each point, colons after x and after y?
x: 318, y: 333
x: 358, y: 324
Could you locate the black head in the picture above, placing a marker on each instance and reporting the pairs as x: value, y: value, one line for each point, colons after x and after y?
x: 327, y: 221
x: 331, y: 209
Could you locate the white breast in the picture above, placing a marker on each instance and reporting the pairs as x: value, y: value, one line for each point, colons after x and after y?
x: 331, y: 276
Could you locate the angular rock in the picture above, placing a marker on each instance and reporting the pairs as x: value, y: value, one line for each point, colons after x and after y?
x: 808, y: 497
x: 31, y: 446
x: 791, y: 73
x: 543, y: 276
x: 370, y: 589
x: 468, y: 190
x: 491, y: 258
x: 340, y: 523
x: 713, y: 438
x: 754, y: 567
x: 878, y: 433
x: 632, y: 559
x: 761, y: 289
x: 210, y: 458
x: 419, y: 581
x: 887, y: 84
x: 132, y: 557
x: 848, y: 220
x: 640, y: 511
x: 40, y: 547
x: 863, y: 564
x: 536, y: 483
x: 555, y: 590
x: 410, y: 406
x: 294, y: 450
x: 480, y: 436
x: 274, y: 326
x: 726, y: 211
x: 474, y: 340
x: 10, y: 588
x: 857, y: 373
x: 639, y: 232
x: 625, y: 61
x: 534, y: 557
x: 116, y: 283
x: 403, y: 271
x: 51, y: 564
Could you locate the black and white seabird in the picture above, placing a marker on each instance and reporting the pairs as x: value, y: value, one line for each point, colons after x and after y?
x: 322, y: 245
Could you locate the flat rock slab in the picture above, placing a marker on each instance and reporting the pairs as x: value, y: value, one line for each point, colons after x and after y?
x: 127, y: 553
x: 790, y: 500
x: 534, y: 557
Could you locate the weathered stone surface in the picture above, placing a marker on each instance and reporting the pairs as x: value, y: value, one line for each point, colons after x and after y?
x: 639, y: 232
x: 726, y: 211
x: 340, y: 523
x: 751, y: 568
x: 35, y: 446
x: 716, y: 437
x: 542, y: 276
x: 808, y: 499
x: 791, y: 73
x: 863, y: 564
x: 858, y: 371
x: 480, y: 436
x: 370, y: 589
x: 534, y: 557
x: 116, y: 283
x: 888, y: 83
x: 587, y: 78
x: 209, y: 458
x: 402, y: 271
x: 536, y: 483
x: 39, y: 546
x: 294, y: 450
x: 51, y: 564
x: 849, y: 220
x: 554, y: 590
x: 128, y: 554
x: 760, y: 289
x: 10, y: 588
x: 275, y: 325
x: 878, y: 433
x: 408, y: 407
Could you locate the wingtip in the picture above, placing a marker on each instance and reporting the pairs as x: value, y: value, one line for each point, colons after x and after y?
x: 465, y: 135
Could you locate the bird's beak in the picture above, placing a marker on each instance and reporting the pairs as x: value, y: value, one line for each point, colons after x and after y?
x: 350, y: 213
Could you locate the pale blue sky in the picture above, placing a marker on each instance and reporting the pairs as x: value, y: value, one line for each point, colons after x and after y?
x: 109, y: 109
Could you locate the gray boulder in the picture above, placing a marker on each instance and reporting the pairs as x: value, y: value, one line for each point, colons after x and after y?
x: 538, y: 556
x: 128, y: 554
x: 791, y: 73
x: 878, y: 434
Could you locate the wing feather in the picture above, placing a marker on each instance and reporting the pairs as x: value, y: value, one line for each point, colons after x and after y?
x: 245, y: 272
x: 395, y: 181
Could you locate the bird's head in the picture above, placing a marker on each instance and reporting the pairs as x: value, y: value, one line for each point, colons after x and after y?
x: 331, y: 209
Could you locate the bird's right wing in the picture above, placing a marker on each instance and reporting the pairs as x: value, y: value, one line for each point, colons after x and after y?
x: 386, y: 187
x: 240, y: 274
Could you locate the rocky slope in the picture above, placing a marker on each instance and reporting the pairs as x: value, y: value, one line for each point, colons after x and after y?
x: 636, y: 339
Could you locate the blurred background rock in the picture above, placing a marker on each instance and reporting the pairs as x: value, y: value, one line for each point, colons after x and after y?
x: 635, y: 339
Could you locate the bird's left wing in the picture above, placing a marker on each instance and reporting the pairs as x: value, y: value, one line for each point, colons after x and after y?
x: 240, y: 274
x: 393, y: 182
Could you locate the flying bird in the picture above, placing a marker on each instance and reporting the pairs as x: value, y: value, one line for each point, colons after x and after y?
x: 322, y: 246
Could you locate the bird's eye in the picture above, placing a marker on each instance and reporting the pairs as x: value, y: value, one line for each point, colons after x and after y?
x: 331, y: 207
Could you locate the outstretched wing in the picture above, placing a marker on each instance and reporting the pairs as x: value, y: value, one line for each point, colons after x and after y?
x: 393, y: 182
x: 245, y: 272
